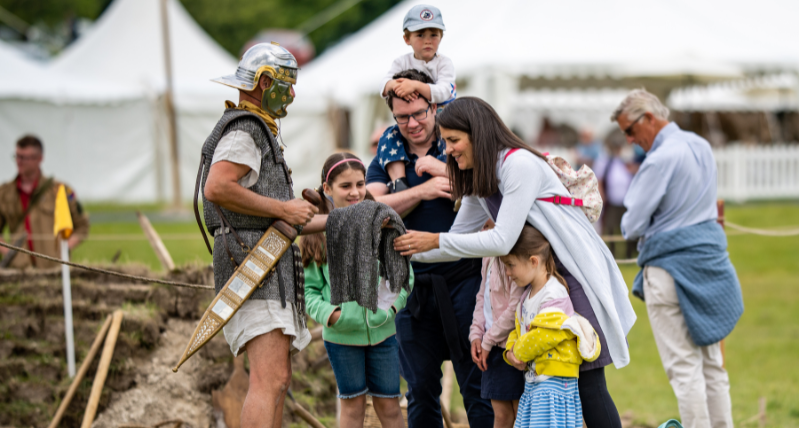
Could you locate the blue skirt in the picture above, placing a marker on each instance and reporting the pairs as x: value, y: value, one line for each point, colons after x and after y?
x: 553, y: 403
x: 501, y: 381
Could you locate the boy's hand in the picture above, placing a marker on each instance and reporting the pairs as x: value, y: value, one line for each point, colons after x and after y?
x: 477, y: 351
x: 406, y: 89
x: 431, y: 165
x: 520, y: 365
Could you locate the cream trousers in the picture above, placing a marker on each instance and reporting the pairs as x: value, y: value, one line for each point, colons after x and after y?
x: 696, y: 373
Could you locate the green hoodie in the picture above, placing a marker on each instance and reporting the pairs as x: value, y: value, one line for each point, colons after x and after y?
x: 351, y: 327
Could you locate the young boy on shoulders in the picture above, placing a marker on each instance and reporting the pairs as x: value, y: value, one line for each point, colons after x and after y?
x: 423, y: 29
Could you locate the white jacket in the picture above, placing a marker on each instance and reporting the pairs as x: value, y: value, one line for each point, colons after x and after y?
x: 522, y: 179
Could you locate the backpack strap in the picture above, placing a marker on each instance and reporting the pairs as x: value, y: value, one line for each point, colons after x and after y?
x: 558, y: 200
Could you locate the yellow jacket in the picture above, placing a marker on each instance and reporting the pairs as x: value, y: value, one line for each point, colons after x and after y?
x: 556, y: 342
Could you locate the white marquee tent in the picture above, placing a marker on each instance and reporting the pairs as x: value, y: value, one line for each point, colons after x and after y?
x: 107, y: 138
x: 103, y: 122
x: 500, y: 46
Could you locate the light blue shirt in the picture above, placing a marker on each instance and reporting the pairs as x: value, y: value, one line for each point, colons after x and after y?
x: 675, y: 186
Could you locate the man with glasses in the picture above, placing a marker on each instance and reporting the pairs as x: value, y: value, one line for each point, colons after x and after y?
x: 692, y: 294
x: 434, y: 326
x: 27, y: 207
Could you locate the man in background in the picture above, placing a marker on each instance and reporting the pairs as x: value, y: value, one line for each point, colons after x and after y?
x: 692, y: 294
x: 614, y: 175
x: 27, y: 207
x: 588, y: 149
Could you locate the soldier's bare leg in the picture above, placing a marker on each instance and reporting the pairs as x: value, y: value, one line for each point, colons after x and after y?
x: 270, y: 377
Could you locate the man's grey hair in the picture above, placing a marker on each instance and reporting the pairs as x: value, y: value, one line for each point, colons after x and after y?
x: 638, y: 102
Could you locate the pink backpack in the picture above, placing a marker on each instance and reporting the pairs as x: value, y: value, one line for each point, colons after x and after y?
x: 582, y: 186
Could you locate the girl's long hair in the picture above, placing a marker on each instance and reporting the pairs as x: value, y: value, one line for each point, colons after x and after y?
x: 313, y: 246
x: 488, y: 135
x: 533, y: 243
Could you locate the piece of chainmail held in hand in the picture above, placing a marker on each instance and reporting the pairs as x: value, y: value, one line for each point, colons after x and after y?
x: 356, y: 241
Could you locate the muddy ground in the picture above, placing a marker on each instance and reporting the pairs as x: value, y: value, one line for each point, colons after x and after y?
x: 141, y: 388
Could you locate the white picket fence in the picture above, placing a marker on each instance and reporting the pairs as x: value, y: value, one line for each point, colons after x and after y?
x: 757, y: 172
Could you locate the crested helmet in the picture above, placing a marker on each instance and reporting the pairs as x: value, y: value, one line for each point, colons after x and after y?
x: 278, y: 63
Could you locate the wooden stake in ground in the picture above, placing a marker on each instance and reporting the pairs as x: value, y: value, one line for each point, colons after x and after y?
x: 155, y: 242
x: 302, y: 413
x: 82, y: 372
x: 102, y: 370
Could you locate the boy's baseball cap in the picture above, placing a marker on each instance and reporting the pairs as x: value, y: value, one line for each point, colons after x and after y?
x: 423, y: 16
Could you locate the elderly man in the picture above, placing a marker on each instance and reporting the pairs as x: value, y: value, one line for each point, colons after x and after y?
x: 27, y: 205
x: 247, y: 187
x: 691, y: 290
x: 435, y: 324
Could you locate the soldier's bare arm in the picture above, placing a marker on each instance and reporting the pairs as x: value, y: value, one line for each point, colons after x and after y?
x: 222, y: 188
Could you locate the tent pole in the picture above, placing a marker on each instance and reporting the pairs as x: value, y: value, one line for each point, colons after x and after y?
x: 170, y: 108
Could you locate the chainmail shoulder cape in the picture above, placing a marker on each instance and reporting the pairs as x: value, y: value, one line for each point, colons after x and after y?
x: 356, y: 241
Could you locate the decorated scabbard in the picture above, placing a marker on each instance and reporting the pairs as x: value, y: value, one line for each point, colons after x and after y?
x: 249, y: 276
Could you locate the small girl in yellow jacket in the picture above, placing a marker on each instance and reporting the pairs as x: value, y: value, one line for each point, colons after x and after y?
x: 550, y: 340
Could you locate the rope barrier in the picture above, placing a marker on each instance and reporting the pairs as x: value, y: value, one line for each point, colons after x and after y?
x: 762, y: 232
x: 104, y: 271
x: 613, y: 238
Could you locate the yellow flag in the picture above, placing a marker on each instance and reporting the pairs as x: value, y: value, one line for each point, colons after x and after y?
x: 63, y: 219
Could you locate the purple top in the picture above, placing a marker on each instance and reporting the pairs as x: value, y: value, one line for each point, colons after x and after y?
x: 579, y: 300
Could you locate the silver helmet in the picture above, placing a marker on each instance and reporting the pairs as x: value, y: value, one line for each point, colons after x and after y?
x: 278, y: 63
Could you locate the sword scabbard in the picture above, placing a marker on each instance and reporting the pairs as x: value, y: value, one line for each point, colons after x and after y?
x: 260, y: 261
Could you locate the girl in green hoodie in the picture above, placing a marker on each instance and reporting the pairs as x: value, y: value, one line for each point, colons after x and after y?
x: 360, y: 343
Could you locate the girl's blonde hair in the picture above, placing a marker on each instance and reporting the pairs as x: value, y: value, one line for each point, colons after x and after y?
x: 533, y: 243
x: 313, y: 246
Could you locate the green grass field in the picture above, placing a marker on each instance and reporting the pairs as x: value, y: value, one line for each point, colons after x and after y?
x: 761, y: 353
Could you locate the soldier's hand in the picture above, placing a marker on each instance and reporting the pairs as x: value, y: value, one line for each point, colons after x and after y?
x: 298, y: 211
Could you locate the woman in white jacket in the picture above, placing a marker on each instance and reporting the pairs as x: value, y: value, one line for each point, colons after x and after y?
x: 506, y: 189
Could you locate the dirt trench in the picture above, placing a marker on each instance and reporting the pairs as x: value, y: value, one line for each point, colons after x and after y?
x: 141, y: 388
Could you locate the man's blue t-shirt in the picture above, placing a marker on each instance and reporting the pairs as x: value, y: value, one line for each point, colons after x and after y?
x: 434, y: 216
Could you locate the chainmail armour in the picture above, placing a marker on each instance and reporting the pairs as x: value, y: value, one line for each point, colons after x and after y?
x: 356, y: 241
x: 273, y: 182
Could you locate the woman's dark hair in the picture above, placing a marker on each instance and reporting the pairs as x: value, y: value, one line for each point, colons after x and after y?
x: 312, y: 247
x: 488, y: 135
x: 533, y: 243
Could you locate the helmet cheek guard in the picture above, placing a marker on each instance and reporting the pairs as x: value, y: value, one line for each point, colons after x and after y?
x: 277, y: 98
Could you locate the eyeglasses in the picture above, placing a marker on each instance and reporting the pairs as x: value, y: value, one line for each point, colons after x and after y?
x: 24, y: 158
x: 418, y: 116
x: 629, y: 130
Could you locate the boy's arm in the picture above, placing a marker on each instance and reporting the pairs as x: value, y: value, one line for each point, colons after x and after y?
x: 444, y: 88
x: 388, y: 79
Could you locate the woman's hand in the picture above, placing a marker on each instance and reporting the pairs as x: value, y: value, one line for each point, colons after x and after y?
x: 415, y: 242
x: 515, y: 362
x: 477, y: 351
